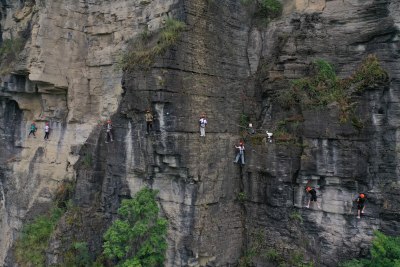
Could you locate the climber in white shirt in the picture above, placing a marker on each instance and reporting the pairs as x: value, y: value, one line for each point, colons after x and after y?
x: 240, y: 153
x: 203, y: 124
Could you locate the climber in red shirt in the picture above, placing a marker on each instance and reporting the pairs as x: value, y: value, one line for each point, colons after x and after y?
x: 360, y: 200
x: 313, y: 196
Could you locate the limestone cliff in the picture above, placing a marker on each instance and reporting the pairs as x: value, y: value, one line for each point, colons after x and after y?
x: 225, y: 64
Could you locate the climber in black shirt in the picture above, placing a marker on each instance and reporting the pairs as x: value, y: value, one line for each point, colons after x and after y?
x: 360, y: 200
x: 313, y: 197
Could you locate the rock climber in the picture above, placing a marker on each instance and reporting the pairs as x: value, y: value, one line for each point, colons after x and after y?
x: 203, y: 124
x: 313, y: 196
x: 251, y: 129
x: 46, y: 131
x: 149, y: 121
x: 269, y: 136
x: 360, y: 200
x: 109, y: 131
x: 240, y: 153
x: 33, y: 129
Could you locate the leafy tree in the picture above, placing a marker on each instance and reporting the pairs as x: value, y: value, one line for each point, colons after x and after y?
x: 385, y: 252
x: 138, y: 237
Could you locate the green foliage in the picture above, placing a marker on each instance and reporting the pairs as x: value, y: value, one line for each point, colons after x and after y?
x: 270, y: 8
x: 78, y: 255
x: 323, y: 87
x: 320, y: 89
x: 385, y: 252
x: 357, y: 123
x: 296, y: 259
x: 87, y: 160
x: 257, y: 139
x: 325, y: 72
x: 137, y: 238
x: 244, y: 121
x: 246, y: 259
x: 296, y: 216
x: 288, y: 99
x: 64, y: 194
x: 369, y: 73
x: 282, y: 136
x: 273, y: 255
x: 143, y: 51
x: 82, y: 254
x: 265, y: 10
x: 31, y: 246
x: 259, y: 249
x: 257, y: 246
x: 242, y: 196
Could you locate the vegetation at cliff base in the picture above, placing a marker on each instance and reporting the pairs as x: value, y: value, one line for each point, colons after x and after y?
x: 142, y: 51
x: 78, y: 255
x: 138, y: 236
x: 30, y: 248
x: 385, y: 252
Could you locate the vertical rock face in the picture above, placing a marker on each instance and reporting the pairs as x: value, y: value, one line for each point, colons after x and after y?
x: 65, y: 75
x: 225, y: 66
x: 10, y: 142
x: 197, y: 181
x: 339, y: 159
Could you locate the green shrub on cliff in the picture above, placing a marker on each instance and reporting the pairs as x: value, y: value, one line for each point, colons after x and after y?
x: 265, y: 10
x: 270, y: 8
x: 369, y: 73
x: 322, y: 87
x: 30, y: 248
x: 385, y: 252
x: 138, y: 236
x: 142, y: 52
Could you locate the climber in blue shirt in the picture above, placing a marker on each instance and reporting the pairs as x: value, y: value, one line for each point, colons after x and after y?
x: 33, y: 129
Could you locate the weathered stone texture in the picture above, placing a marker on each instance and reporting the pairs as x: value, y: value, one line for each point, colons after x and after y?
x: 338, y: 159
x: 223, y: 66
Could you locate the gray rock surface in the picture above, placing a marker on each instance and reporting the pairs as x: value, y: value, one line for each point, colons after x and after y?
x: 225, y: 65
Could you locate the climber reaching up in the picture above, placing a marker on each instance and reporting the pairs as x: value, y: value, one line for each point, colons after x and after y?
x: 33, y: 129
x: 203, y: 124
x: 109, y: 131
x: 240, y: 154
x: 313, y: 196
x: 360, y: 200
